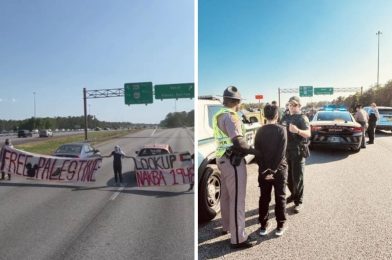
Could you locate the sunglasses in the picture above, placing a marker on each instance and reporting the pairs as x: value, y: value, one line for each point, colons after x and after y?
x: 293, y: 105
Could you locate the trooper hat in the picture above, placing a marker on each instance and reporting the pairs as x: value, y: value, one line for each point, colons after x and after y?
x: 232, y: 92
x: 295, y: 100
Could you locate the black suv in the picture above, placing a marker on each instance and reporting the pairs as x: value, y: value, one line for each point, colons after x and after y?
x: 25, y: 133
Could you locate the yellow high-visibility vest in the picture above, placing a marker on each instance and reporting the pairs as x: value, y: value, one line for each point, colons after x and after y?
x: 223, y: 142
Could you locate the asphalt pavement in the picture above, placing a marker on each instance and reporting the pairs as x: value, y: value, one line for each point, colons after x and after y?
x: 53, y: 220
x: 347, y: 211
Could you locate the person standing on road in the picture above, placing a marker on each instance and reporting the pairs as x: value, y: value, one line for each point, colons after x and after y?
x: 373, y: 117
x: 229, y: 134
x: 298, y: 131
x: 271, y: 142
x: 362, y: 118
x: 7, y: 143
x: 117, y: 154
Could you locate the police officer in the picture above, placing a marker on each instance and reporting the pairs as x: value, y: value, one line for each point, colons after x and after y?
x: 373, y: 117
x: 298, y: 131
x: 229, y: 134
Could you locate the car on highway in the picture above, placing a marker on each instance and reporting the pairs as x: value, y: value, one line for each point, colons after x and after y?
x: 209, y: 176
x: 335, y: 128
x: 385, y: 120
x: 45, y: 133
x: 77, y: 150
x: 154, y: 149
x: 24, y: 133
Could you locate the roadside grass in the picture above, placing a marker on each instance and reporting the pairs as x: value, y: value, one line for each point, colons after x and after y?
x: 49, y: 145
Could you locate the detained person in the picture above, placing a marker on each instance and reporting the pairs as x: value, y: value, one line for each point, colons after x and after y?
x: 271, y: 142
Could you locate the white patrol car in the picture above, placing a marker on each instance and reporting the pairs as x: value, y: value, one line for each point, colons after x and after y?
x: 208, y: 173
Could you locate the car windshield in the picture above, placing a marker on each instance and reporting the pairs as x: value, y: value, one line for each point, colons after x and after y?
x: 212, y: 110
x: 152, y: 151
x: 333, y: 116
x: 69, y: 149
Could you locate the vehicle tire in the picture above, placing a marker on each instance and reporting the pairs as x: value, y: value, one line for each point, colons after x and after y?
x: 209, y: 193
x: 357, y: 149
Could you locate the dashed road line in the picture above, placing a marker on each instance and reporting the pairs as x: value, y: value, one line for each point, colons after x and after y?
x: 114, y: 196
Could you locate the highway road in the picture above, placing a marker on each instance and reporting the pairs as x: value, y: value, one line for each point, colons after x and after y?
x: 49, y: 220
x: 347, y: 211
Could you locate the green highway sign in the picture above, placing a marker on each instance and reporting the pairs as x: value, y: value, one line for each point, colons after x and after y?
x: 323, y: 91
x: 306, y: 91
x: 174, y: 91
x: 138, y: 93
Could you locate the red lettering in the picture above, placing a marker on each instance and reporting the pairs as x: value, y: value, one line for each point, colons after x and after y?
x: 72, y: 170
x: 172, y: 172
x: 21, y: 155
x: 12, y: 160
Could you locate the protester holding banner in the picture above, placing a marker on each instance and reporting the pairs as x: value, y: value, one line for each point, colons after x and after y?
x: 7, y: 143
x: 117, y: 154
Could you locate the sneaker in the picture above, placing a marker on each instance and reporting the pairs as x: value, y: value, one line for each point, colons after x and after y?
x: 264, y: 230
x: 289, y: 199
x: 298, y: 208
x: 243, y: 245
x: 280, y: 229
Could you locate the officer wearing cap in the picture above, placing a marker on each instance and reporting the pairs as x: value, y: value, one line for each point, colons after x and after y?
x: 229, y: 133
x: 298, y: 131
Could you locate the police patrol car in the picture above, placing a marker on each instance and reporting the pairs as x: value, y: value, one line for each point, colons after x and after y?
x: 385, y: 120
x: 208, y: 173
x: 335, y: 127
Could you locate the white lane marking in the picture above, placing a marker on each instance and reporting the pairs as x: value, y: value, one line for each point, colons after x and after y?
x: 114, y: 196
x: 154, y: 131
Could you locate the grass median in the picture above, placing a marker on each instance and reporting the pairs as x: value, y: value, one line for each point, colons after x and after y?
x: 50, y: 144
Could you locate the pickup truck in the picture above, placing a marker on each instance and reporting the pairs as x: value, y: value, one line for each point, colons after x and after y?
x: 208, y: 173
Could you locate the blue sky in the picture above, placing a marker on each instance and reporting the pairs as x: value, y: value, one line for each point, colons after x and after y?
x: 260, y: 46
x: 55, y: 48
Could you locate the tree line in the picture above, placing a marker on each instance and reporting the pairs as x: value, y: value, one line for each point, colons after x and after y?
x: 179, y: 119
x: 71, y: 122
x: 381, y: 95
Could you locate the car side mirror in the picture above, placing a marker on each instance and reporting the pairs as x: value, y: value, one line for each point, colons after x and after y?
x: 253, y: 119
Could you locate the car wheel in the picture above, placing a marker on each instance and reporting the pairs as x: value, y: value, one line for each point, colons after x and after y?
x: 209, y: 193
x: 357, y: 149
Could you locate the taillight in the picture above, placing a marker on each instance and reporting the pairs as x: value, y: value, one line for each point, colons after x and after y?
x: 356, y: 129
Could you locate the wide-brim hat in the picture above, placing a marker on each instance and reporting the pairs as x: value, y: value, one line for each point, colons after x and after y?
x: 232, y: 93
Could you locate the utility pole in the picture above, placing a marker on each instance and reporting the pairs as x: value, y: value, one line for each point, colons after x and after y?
x: 378, y: 56
x: 34, y: 105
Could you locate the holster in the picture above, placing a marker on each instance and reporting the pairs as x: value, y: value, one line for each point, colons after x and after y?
x: 234, y: 157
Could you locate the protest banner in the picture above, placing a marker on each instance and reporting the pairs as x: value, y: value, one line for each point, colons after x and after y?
x: 164, y: 170
x: 43, y: 167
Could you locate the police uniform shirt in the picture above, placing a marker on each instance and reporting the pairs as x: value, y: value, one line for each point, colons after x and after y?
x: 230, y: 125
x: 302, y: 122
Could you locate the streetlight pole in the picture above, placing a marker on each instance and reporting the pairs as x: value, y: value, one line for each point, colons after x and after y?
x: 34, y: 105
x: 378, y: 56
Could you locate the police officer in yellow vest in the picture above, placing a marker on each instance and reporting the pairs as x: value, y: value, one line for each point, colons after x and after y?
x: 229, y: 134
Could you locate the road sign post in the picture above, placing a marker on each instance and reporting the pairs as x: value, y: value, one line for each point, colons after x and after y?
x: 138, y: 93
x: 306, y: 91
x: 175, y: 91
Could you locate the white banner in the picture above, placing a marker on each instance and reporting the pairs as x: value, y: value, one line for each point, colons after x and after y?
x: 164, y: 170
x: 49, y: 168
